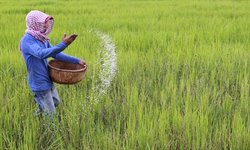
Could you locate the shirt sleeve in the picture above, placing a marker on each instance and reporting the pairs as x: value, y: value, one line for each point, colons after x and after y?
x: 64, y: 57
x: 34, y: 49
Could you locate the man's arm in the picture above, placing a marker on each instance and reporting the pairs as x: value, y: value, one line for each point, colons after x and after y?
x: 64, y: 57
x: 34, y: 49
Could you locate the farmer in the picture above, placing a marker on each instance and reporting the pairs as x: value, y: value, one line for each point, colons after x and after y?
x: 35, y: 49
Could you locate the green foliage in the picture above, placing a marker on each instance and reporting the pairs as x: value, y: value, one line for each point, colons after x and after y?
x: 182, y: 81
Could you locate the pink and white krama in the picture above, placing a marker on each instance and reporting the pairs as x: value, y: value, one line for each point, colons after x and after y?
x: 35, y: 25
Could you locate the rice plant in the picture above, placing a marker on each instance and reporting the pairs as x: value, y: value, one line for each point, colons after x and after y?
x: 182, y: 79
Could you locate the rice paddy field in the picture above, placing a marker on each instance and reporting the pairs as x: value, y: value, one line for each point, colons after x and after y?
x: 178, y: 78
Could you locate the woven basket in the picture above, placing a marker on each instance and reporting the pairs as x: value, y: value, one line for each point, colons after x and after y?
x: 66, y: 73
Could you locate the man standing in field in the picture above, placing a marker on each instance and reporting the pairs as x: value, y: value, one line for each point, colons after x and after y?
x: 35, y: 48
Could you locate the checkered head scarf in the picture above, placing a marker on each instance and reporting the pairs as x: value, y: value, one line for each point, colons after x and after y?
x: 36, y: 25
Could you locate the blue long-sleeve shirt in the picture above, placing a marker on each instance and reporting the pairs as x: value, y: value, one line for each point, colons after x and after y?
x: 35, y: 54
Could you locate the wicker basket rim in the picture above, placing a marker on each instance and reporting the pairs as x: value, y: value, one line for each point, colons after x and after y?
x: 67, y: 70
